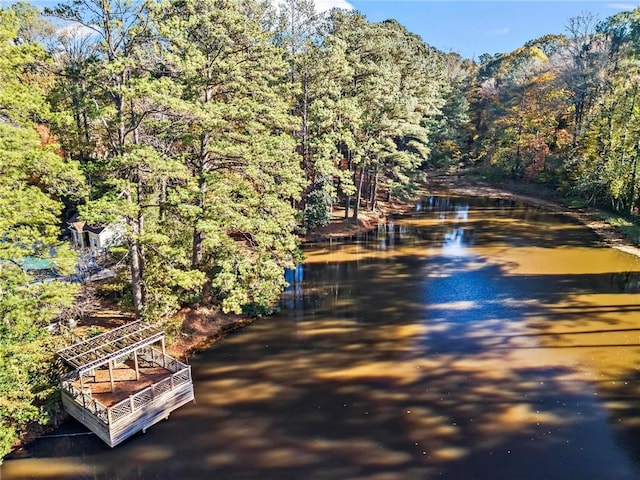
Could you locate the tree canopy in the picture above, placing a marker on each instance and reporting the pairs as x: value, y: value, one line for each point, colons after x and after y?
x: 562, y: 111
x: 216, y: 132
x: 34, y: 179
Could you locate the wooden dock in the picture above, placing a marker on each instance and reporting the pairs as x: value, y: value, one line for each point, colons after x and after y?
x: 121, y: 384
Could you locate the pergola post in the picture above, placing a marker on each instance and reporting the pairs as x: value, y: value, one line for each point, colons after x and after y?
x: 111, y: 375
x: 107, y: 415
x: 135, y: 364
x: 82, y: 390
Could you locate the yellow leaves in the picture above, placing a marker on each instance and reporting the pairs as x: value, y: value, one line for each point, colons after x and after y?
x: 546, y: 77
x: 523, y: 63
x: 536, y: 52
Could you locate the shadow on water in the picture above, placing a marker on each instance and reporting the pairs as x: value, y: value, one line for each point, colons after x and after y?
x: 407, y: 361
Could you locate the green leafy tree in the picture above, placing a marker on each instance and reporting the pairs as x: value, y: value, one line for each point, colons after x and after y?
x: 450, y: 129
x: 318, y: 72
x: 233, y: 133
x: 525, y: 131
x: 584, y: 61
x: 398, y: 84
x: 606, y: 168
x: 129, y: 95
x: 33, y: 180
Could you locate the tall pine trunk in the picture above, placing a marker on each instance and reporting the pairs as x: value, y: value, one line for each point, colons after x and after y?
x: 356, y: 207
x: 373, y: 199
x: 347, y: 198
x: 198, y: 237
x: 136, y: 260
x: 136, y: 277
x: 634, y: 201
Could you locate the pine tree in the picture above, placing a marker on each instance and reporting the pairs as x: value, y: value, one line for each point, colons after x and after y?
x: 398, y: 84
x: 129, y: 97
x: 34, y: 179
x: 233, y: 132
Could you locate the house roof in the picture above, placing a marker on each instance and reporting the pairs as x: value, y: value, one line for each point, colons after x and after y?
x: 101, y: 349
x: 83, y: 226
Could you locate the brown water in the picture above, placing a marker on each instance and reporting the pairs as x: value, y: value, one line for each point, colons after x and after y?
x: 473, y: 339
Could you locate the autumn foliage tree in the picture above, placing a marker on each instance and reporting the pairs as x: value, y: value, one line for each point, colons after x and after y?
x: 562, y: 110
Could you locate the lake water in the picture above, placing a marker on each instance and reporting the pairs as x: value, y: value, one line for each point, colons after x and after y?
x: 470, y: 339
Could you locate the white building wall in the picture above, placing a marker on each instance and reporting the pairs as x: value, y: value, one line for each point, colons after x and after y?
x: 110, y: 236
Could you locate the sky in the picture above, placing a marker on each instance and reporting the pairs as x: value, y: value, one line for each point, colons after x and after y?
x: 472, y: 27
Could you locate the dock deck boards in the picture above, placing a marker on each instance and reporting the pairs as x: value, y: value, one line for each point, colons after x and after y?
x: 103, y: 392
x: 125, y: 382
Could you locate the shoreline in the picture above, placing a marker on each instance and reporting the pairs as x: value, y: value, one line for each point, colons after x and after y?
x: 590, y: 217
x: 453, y: 184
x: 195, y: 330
x: 200, y: 329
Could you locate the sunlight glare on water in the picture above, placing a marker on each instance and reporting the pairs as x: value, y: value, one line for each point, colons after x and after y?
x: 469, y: 339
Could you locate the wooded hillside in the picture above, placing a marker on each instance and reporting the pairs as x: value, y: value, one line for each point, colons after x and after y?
x: 216, y: 132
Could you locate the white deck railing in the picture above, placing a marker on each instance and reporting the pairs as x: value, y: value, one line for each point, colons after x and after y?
x: 181, y: 375
x: 144, y: 398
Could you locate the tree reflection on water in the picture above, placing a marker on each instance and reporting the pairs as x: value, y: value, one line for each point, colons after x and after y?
x: 516, y: 356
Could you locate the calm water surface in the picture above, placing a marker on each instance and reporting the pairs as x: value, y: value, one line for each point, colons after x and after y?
x: 472, y: 339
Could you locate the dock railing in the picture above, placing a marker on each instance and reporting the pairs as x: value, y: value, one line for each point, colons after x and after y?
x: 84, y: 398
x: 153, y: 393
x: 156, y: 392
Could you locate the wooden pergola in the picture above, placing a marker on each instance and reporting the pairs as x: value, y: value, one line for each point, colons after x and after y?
x: 106, y: 348
x: 159, y: 386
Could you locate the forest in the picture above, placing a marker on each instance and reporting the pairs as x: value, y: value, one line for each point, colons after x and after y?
x: 216, y: 133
